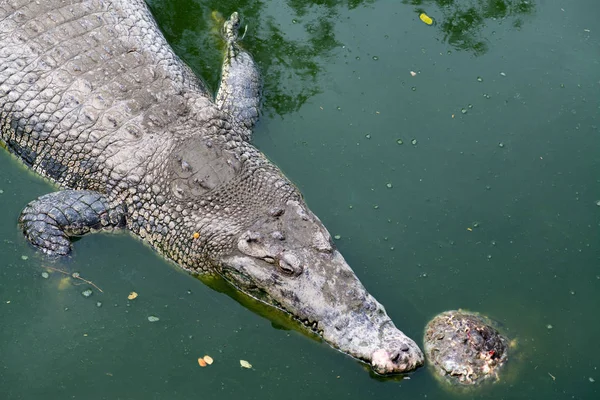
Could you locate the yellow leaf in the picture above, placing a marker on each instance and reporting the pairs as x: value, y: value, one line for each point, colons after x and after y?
x: 245, y: 364
x: 132, y: 295
x: 425, y: 18
x: 64, y: 283
x: 208, y: 359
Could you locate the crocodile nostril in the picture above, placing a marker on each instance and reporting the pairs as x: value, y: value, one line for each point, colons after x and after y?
x: 395, y: 357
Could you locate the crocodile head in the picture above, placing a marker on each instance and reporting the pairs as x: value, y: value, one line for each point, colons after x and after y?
x: 286, y: 259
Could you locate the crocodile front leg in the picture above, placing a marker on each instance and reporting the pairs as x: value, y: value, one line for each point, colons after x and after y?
x: 51, y: 219
x: 240, y: 88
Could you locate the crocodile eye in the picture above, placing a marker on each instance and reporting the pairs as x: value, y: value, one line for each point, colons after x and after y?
x: 286, y: 268
x: 325, y: 249
x: 289, y: 266
x: 253, y: 237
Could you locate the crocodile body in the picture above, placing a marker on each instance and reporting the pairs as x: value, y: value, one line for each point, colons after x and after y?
x: 93, y: 97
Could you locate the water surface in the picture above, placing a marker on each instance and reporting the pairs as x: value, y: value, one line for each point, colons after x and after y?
x: 492, y: 209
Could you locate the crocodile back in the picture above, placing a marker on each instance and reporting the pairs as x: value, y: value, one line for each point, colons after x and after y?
x: 90, y: 91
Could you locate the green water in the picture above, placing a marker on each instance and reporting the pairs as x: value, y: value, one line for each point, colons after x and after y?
x: 492, y: 210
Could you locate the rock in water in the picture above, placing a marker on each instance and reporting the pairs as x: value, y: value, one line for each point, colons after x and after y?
x: 464, y: 348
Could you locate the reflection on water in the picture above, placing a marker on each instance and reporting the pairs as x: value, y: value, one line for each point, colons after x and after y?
x: 531, y: 261
x: 291, y: 52
x: 462, y: 22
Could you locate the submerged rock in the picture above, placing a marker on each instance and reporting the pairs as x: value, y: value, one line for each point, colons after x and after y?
x: 464, y: 348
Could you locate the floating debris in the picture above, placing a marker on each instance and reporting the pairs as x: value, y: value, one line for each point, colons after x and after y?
x: 45, y: 275
x: 413, y: 142
x: 549, y: 326
x: 479, y: 79
x: 201, y: 362
x: 465, y: 348
x: 337, y: 237
x: 24, y: 258
x: 132, y: 296
x: 399, y: 141
x: 389, y: 185
x: 501, y: 145
x: 245, y: 364
x: 152, y: 318
x: 98, y: 304
x: 64, y: 283
x: 87, y: 293
x: 413, y: 73
x: 425, y: 18
x: 208, y: 359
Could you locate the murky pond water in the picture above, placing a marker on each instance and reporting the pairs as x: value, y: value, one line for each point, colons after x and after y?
x: 473, y: 184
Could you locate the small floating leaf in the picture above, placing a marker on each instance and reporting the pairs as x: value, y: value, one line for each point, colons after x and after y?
x: 86, y: 293
x: 64, y: 283
x: 245, y: 364
x: 208, y: 359
x: 152, y: 318
x: 201, y: 362
x: 132, y: 295
x: 425, y: 18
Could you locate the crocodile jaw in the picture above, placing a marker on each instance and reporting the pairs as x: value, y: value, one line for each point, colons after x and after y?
x: 329, y: 299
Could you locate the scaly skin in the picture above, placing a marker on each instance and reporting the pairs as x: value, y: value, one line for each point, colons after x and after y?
x: 93, y: 97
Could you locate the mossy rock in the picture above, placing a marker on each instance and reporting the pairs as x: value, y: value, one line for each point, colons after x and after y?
x: 464, y: 348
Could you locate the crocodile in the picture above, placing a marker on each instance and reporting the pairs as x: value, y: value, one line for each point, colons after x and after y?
x: 93, y: 98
